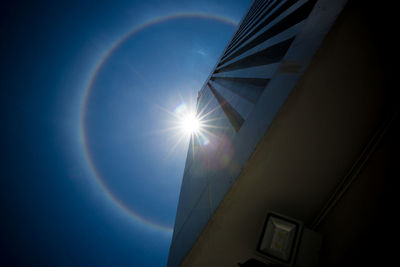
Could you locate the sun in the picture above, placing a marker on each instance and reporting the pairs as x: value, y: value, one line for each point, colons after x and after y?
x: 190, y: 124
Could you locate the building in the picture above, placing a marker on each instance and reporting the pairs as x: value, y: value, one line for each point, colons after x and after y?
x: 306, y: 126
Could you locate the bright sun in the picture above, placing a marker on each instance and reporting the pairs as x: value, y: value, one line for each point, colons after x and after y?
x: 190, y: 124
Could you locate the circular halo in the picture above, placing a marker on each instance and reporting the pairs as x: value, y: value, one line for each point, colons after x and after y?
x: 87, y: 92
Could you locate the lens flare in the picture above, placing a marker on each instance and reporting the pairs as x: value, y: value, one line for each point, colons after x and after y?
x: 194, y: 125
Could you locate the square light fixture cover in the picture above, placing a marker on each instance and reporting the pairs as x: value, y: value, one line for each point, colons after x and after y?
x: 279, y: 237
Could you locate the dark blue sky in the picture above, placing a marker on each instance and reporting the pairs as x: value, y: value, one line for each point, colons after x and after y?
x: 55, y: 210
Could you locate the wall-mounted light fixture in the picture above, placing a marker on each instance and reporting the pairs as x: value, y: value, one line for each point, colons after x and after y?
x: 280, y: 237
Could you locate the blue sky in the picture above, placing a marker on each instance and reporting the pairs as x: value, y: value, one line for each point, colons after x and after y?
x: 90, y: 173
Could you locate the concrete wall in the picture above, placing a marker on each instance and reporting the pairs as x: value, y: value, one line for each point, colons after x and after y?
x: 212, y: 169
x: 339, y: 113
